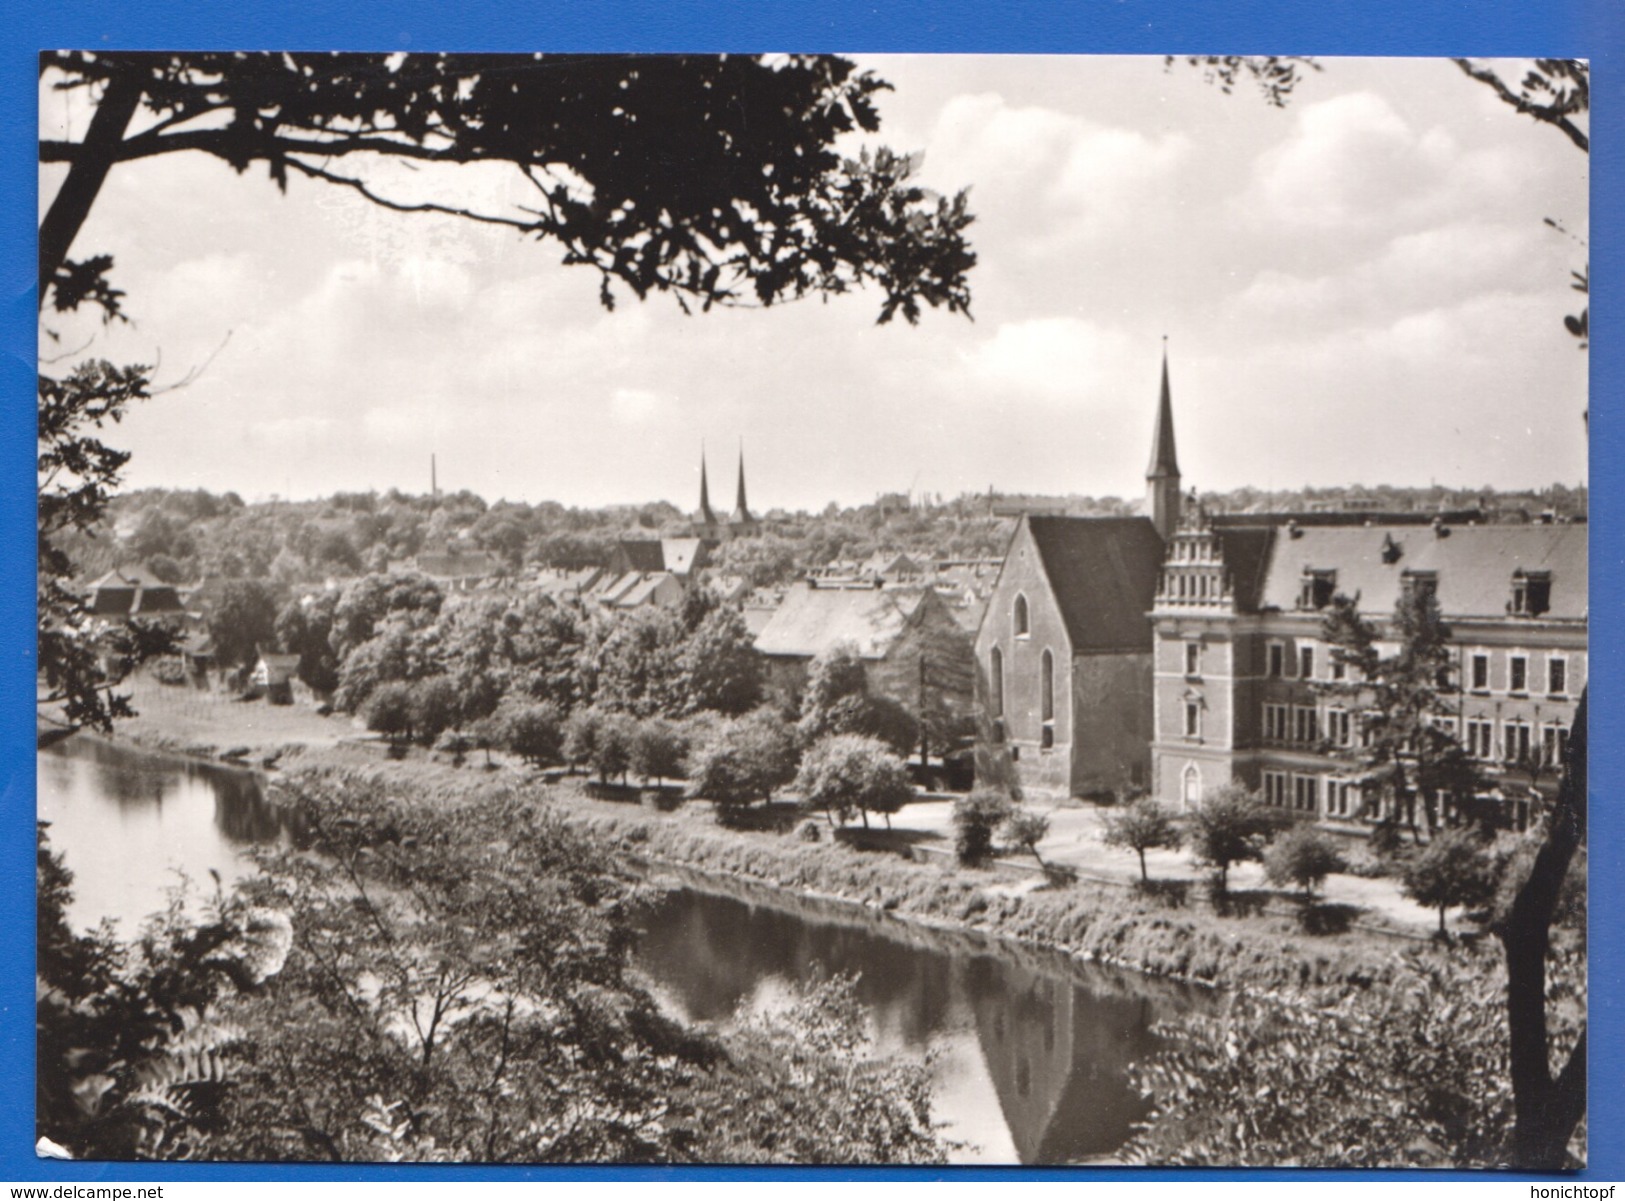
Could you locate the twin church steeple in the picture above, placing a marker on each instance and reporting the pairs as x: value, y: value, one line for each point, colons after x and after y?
x: 740, y: 521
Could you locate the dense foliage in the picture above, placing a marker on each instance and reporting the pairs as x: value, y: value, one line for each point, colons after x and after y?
x: 441, y: 980
x: 846, y: 774
x: 1409, y: 1076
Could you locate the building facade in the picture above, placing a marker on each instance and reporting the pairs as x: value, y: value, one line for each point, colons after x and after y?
x: 1242, y: 665
x: 1064, y: 648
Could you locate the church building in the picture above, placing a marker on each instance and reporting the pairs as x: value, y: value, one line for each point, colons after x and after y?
x: 1064, y: 650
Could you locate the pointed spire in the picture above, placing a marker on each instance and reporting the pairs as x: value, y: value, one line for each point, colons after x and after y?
x: 1162, y: 499
x: 741, y: 513
x: 1164, y: 462
x: 706, y: 516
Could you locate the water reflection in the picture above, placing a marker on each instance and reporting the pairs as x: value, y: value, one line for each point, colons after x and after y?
x: 1031, y: 1057
x: 130, y: 822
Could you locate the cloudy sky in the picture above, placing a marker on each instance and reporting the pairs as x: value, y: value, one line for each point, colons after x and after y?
x: 1358, y: 288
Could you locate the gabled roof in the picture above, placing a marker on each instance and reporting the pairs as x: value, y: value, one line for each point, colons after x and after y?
x: 682, y: 555
x: 811, y: 620
x: 642, y: 554
x: 1103, y: 572
x: 642, y: 591
x: 132, y: 591
x: 1473, y: 565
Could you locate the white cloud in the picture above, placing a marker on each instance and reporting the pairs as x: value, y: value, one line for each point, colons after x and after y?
x: 1353, y: 164
x: 1053, y: 358
x: 1048, y: 172
x: 634, y: 406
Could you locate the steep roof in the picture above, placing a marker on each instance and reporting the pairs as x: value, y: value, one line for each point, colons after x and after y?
x: 643, y: 554
x: 1103, y: 571
x: 132, y: 591
x: 1164, y: 462
x: 1246, y: 552
x: 681, y: 555
x: 811, y: 620
x: 1473, y: 564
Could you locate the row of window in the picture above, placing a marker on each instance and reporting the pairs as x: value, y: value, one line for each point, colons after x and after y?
x: 1519, y: 741
x: 1280, y: 665
x: 1343, y: 800
x: 1518, y: 673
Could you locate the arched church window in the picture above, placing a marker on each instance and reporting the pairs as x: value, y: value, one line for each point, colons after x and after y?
x: 1023, y: 627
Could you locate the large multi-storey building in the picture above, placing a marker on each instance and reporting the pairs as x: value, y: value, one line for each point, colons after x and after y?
x: 1241, y: 663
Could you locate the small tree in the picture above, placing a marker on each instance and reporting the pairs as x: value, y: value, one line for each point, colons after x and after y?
x: 847, y: 773
x: 1229, y: 826
x: 975, y: 818
x: 656, y: 750
x: 612, y: 747
x: 1454, y: 869
x: 744, y: 760
x: 581, y: 736
x: 1025, y: 829
x: 530, y: 731
x: 1303, y: 856
x: 1141, y: 826
x: 434, y: 708
x: 389, y: 711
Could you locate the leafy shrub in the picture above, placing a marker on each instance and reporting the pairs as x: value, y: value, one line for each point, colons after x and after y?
x: 1304, y: 856
x: 1454, y: 869
x: 976, y: 817
x: 1025, y: 829
x: 169, y: 670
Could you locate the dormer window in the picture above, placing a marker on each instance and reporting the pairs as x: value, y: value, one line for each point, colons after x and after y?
x: 1419, y: 584
x: 1319, y: 586
x: 1531, y: 592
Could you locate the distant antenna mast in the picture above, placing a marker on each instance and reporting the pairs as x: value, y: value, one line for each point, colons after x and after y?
x: 434, y: 482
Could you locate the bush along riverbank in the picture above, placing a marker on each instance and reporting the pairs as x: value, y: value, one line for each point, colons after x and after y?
x: 1153, y: 932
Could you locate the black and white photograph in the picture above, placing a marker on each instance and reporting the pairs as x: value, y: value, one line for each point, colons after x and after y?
x: 812, y: 609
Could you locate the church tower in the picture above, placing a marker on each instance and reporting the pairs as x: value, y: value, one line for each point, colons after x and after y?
x: 1162, y: 477
x: 707, y: 518
x: 741, y: 521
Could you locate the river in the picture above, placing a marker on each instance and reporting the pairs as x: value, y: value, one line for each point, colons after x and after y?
x: 1028, y: 1050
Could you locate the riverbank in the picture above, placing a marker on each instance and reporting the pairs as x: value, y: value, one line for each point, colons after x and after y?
x: 211, y: 725
x: 1159, y: 934
x: 1169, y: 933
x: 1260, y: 941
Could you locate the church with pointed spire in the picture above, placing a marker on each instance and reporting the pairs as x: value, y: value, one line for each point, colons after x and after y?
x: 1181, y: 650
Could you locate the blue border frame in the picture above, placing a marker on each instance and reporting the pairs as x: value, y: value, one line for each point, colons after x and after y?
x: 1592, y: 29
